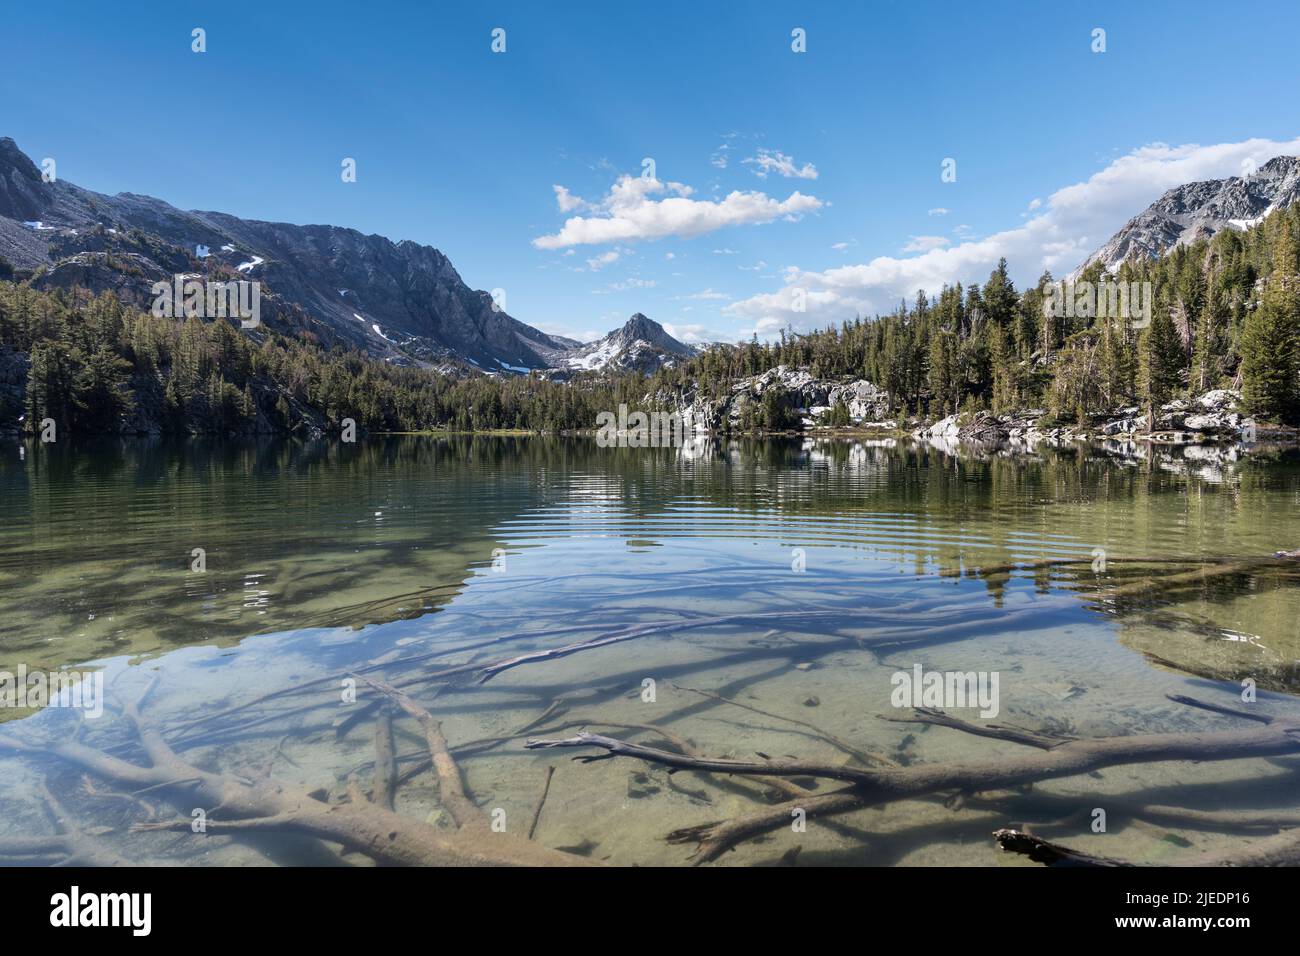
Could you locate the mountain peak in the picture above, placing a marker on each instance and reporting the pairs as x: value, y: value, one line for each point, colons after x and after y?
x: 640, y: 343
x: 10, y: 152
x: 1198, y: 210
x: 640, y: 328
x: 1280, y: 164
x: 643, y: 327
x: 23, y: 196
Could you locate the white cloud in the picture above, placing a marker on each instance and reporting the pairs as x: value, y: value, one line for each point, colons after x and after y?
x: 709, y: 294
x: 633, y: 283
x: 582, y: 335
x: 774, y: 161
x: 765, y: 328
x: 602, y: 260
x: 690, y: 334
x: 628, y: 214
x: 566, y: 200
x: 1070, y: 225
x: 926, y: 243
x: 725, y: 252
x: 937, y: 211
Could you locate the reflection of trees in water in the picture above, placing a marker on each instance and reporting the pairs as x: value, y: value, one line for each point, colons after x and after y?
x: 313, y: 534
x: 1229, y: 629
x: 1224, y: 619
x: 111, y: 525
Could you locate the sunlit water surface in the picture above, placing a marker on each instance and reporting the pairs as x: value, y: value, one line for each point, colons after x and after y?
x: 793, y: 578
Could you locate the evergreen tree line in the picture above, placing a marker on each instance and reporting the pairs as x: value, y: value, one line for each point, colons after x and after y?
x: 93, y: 361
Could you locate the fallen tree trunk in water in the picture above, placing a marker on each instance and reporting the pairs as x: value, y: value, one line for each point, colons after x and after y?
x: 360, y: 825
x: 1201, y: 575
x: 1054, y: 758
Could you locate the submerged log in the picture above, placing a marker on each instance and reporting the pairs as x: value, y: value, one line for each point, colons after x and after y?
x: 1053, y: 758
x: 1049, y: 854
x: 1169, y: 582
x: 242, y: 805
x: 1282, y: 849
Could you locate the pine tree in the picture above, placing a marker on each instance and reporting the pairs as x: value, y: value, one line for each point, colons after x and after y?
x: 1111, y: 363
x: 100, y: 391
x: 1002, y: 360
x: 1161, y: 357
x: 1205, y: 355
x: 1000, y: 301
x: 50, y: 386
x: 1271, y: 337
x: 943, y: 383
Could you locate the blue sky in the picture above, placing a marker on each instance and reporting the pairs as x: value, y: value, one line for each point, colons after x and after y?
x: 458, y: 147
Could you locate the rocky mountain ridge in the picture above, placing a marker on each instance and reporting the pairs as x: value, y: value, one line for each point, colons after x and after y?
x: 1198, y: 210
x: 401, y: 301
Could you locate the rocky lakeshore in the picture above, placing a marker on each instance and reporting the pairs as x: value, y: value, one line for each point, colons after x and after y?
x: 1212, y: 418
x: 800, y: 399
x: 786, y: 399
